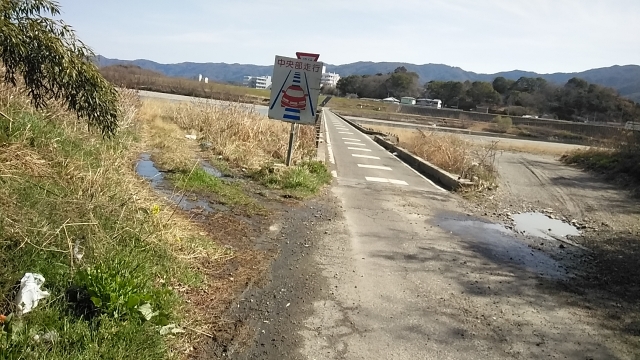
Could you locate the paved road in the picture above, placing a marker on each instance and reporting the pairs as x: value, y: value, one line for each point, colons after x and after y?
x: 180, y: 98
x: 407, y: 275
x: 411, y: 277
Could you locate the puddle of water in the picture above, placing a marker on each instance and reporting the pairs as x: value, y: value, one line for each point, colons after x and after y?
x: 539, y: 225
x: 209, y: 169
x: 188, y: 204
x: 498, y: 243
x: 147, y: 169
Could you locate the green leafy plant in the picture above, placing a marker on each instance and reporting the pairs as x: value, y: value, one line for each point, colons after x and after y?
x: 53, y: 63
x: 305, y: 178
x: 121, y: 290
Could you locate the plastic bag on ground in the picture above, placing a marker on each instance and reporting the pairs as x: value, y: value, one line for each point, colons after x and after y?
x: 30, y: 293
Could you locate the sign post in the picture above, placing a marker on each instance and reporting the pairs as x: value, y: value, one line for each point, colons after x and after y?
x: 295, y: 91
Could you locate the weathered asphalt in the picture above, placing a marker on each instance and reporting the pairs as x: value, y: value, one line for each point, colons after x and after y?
x: 411, y: 277
x: 395, y: 270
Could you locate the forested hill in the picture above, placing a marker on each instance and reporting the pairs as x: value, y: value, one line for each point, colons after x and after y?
x: 624, y: 79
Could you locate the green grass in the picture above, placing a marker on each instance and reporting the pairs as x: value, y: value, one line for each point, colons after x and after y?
x: 303, y: 180
x: 622, y: 165
x: 59, y: 188
x: 200, y: 180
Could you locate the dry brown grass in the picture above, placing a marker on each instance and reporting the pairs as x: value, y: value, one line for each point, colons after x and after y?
x: 449, y: 152
x: 242, y: 137
x: 133, y: 77
x: 515, y: 145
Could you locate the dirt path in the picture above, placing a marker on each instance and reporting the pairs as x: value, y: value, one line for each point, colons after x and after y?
x: 609, y: 218
x: 535, y: 182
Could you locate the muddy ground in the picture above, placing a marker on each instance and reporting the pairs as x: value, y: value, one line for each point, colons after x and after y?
x: 608, y: 277
x: 262, y: 321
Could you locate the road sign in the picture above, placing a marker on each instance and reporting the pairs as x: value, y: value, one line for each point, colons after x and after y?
x: 307, y: 56
x: 295, y: 90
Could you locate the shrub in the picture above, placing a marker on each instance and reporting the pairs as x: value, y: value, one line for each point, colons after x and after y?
x: 504, y: 123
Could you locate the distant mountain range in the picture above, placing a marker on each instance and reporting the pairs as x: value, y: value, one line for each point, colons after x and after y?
x: 625, y: 79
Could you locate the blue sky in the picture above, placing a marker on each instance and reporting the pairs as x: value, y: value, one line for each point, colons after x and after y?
x: 477, y: 35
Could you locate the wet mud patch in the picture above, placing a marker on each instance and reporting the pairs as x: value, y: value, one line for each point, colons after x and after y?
x: 501, y: 245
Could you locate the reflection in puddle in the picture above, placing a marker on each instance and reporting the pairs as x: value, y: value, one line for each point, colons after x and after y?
x: 499, y: 244
x: 146, y: 169
x: 539, y: 225
x: 192, y: 203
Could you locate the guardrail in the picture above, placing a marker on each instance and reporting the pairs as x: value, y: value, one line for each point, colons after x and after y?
x: 318, y: 126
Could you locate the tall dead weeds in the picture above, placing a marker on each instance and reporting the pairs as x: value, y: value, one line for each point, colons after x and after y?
x: 455, y: 155
x: 239, y: 134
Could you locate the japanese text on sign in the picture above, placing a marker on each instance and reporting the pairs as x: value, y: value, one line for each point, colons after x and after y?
x: 298, y: 65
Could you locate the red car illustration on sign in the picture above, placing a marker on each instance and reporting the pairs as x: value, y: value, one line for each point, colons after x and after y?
x: 294, y: 98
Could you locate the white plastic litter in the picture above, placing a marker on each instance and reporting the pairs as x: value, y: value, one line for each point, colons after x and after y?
x: 170, y: 329
x: 191, y: 137
x: 146, y: 311
x: 30, y: 293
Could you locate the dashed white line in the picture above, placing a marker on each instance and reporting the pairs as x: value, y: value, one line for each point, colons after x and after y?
x: 365, y: 156
x: 409, y: 167
x: 345, y: 133
x: 383, y: 180
x: 361, y: 149
x: 374, y: 167
x: 355, y: 143
x: 351, y: 139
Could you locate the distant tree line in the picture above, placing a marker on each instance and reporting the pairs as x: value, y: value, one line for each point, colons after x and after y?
x: 399, y: 83
x: 576, y: 100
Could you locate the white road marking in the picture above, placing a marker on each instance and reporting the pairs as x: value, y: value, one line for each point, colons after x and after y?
x: 351, y: 139
x: 405, y: 164
x: 334, y: 173
x: 383, y: 180
x: 332, y: 159
x: 355, y: 143
x: 365, y: 156
x: 374, y: 167
x: 361, y: 149
x: 345, y: 133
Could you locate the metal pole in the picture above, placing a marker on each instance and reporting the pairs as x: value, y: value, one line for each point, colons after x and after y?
x: 292, y: 135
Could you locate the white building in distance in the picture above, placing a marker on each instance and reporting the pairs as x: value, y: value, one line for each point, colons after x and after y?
x: 330, y: 79
x: 257, y: 82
